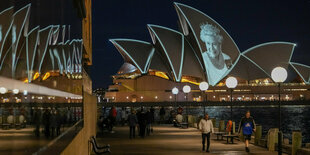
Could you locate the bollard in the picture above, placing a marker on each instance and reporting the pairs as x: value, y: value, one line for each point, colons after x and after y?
x: 195, y: 122
x: 241, y: 136
x: 189, y: 120
x: 213, y: 122
x: 258, y: 134
x: 222, y: 126
x: 272, y: 138
x: 233, y: 127
x: 296, y: 141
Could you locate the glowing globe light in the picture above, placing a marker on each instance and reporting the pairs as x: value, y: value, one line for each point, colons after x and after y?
x: 175, y: 91
x: 203, y: 86
x: 3, y: 90
x: 231, y: 82
x: 186, y: 89
x: 15, y: 91
x: 279, y: 74
x: 25, y: 92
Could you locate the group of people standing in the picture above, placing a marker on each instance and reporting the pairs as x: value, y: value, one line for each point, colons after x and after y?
x: 143, y: 120
x: 52, y: 121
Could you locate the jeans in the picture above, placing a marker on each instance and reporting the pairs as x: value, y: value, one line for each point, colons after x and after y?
x: 204, y: 135
x: 132, y: 132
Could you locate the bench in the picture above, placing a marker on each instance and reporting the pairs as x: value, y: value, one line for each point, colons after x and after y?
x: 231, y: 138
x: 184, y: 125
x: 18, y: 126
x: 219, y: 134
x: 6, y: 126
x: 99, y: 149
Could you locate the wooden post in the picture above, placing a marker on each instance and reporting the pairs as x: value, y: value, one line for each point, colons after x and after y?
x: 214, y: 122
x: 222, y: 126
x: 296, y: 141
x: 258, y: 134
x: 272, y: 138
x: 233, y: 127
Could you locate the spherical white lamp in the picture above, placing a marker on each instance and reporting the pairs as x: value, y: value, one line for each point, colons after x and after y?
x: 186, y: 89
x: 3, y: 90
x: 279, y: 74
x: 231, y: 82
x: 25, y: 92
x: 175, y: 91
x: 15, y: 91
x: 203, y: 86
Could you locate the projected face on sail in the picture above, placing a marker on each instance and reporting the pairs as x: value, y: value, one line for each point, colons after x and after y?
x: 215, y: 60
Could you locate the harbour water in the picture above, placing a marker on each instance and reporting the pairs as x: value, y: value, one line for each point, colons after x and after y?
x: 293, y: 117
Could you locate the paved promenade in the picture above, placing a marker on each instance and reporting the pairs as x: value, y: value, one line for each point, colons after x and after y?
x: 168, y: 140
x: 20, y: 142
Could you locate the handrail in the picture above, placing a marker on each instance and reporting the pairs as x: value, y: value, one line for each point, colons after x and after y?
x: 54, y: 141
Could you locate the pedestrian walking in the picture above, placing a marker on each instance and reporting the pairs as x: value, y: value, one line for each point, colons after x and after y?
x: 132, y: 122
x: 247, y: 125
x: 206, y: 128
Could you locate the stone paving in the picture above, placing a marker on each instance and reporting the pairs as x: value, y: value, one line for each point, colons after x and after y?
x: 168, y: 140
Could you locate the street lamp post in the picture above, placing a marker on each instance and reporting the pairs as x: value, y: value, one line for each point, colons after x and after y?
x: 175, y: 92
x: 186, y: 90
x: 203, y: 86
x: 231, y: 83
x: 279, y: 75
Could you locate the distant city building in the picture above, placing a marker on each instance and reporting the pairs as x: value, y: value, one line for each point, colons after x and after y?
x: 203, y: 51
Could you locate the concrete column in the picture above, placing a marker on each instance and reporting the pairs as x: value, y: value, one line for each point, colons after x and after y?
x: 258, y: 134
x: 296, y: 141
x: 222, y: 126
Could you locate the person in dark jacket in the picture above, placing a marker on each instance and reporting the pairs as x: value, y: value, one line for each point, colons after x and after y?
x: 59, y: 122
x: 132, y: 122
x: 46, y: 122
x: 152, y: 110
x: 162, y: 114
x: 37, y: 121
x: 247, y: 125
x: 142, y: 122
x: 149, y: 119
x: 53, y: 122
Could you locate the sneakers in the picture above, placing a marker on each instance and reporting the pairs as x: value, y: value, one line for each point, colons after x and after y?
x: 247, y: 149
x: 208, y: 151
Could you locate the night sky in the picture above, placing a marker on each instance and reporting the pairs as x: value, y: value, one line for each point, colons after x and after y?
x: 248, y: 22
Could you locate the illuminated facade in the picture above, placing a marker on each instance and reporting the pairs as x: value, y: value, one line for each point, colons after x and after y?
x: 202, y: 51
x: 33, y: 58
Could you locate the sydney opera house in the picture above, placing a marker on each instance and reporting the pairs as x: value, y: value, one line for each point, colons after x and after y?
x: 203, y: 51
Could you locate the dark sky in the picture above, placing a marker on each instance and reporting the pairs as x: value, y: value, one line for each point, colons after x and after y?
x: 248, y: 22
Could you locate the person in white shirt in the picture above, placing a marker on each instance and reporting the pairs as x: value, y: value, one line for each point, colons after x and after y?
x: 206, y: 128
